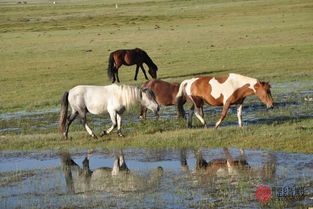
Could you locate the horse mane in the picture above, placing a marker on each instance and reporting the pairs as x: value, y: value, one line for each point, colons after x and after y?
x: 242, y: 77
x: 128, y: 95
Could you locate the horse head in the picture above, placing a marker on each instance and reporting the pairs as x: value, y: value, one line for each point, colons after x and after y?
x: 148, y: 100
x: 153, y: 70
x: 263, y: 91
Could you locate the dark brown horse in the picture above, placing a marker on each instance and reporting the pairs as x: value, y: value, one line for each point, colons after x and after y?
x: 222, y: 91
x: 165, y: 93
x: 130, y: 57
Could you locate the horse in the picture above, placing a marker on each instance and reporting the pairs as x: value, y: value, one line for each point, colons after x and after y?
x: 130, y: 57
x: 222, y: 91
x: 114, y: 99
x: 165, y: 93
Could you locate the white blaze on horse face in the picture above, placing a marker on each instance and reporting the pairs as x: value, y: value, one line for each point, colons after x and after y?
x: 233, y: 82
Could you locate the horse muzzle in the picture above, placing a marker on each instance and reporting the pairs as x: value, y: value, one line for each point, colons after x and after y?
x: 153, y: 74
x: 156, y: 112
x: 270, y: 106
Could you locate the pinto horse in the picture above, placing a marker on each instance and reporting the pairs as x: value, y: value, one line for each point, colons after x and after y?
x: 113, y: 99
x: 130, y: 57
x: 222, y: 91
x: 165, y: 94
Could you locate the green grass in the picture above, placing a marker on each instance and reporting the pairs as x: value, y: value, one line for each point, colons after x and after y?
x: 290, y: 136
x: 46, y: 49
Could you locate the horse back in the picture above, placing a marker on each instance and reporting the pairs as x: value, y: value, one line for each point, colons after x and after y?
x: 165, y: 92
x: 129, y: 56
x: 201, y: 89
x: 91, y: 98
x: 217, y: 90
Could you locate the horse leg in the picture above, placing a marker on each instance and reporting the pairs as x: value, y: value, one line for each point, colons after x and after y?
x: 198, y: 103
x: 198, y: 107
x: 70, y: 119
x: 136, y: 73
x: 239, y: 115
x: 113, y: 81
x: 84, y: 122
x: 223, y: 114
x: 144, y: 72
x: 119, y: 123
x: 114, y: 124
x: 181, y: 111
x: 115, y: 74
x: 239, y: 112
x: 143, y: 112
x: 201, y: 111
x: 199, y: 115
x: 191, y: 111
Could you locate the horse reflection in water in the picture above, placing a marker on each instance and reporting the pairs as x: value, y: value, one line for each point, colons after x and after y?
x: 114, y: 180
x: 227, y: 167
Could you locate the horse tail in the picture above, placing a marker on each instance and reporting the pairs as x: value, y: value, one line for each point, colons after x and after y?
x: 180, y: 99
x: 111, y: 68
x: 63, y: 112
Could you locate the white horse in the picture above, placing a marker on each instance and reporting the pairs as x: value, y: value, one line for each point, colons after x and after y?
x: 113, y: 99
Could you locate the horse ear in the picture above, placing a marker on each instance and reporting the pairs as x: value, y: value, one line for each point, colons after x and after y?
x: 144, y: 89
x: 257, y: 85
x: 149, y: 92
x: 267, y: 84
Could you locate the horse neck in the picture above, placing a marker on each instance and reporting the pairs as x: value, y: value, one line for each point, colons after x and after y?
x: 248, y: 92
x: 242, y: 81
x: 148, y: 60
x: 130, y: 96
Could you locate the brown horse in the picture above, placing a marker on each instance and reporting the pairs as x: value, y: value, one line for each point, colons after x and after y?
x: 222, y: 91
x: 165, y: 93
x: 130, y: 57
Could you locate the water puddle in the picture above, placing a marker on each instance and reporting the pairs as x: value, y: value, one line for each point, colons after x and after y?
x: 154, y: 178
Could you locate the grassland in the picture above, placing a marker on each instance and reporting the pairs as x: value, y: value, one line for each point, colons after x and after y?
x: 48, y: 48
x: 293, y: 136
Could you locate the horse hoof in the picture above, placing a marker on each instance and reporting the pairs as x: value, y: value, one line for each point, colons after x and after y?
x: 94, y: 136
x: 103, y: 133
x: 120, y: 134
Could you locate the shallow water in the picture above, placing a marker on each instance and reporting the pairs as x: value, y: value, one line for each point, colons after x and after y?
x: 157, y: 178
